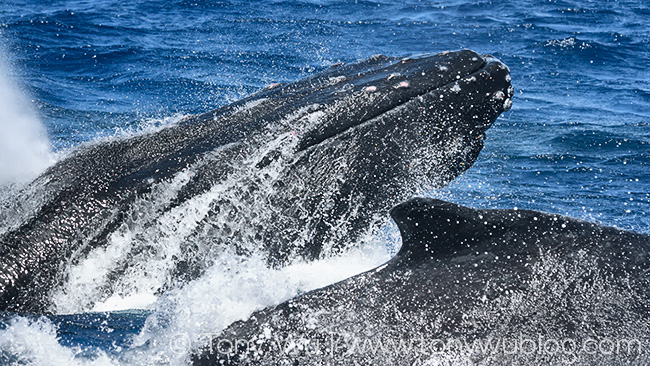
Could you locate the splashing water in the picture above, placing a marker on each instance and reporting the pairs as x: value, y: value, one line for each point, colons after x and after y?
x: 234, y: 289
x: 25, y: 149
x: 34, y: 342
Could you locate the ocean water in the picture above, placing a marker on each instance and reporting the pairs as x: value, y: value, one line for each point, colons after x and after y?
x: 576, y: 142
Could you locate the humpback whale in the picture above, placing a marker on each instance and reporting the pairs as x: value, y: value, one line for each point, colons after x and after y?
x: 468, y: 286
x: 297, y: 170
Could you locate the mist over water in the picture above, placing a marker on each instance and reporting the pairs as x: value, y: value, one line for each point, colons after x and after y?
x: 25, y: 149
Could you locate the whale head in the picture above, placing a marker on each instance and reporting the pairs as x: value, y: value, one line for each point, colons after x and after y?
x: 296, y: 171
x: 371, y: 134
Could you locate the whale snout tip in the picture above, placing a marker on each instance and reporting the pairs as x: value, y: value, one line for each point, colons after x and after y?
x: 500, y: 75
x: 507, y: 104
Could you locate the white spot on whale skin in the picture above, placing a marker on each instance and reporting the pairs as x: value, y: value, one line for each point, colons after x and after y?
x: 370, y: 89
x: 393, y: 76
x: 272, y: 86
x: 442, y: 68
x: 455, y: 88
x: 507, y: 104
x: 511, y: 91
x: 508, y: 78
x: 336, y: 80
x: 499, y: 95
x: 403, y: 84
x: 250, y: 105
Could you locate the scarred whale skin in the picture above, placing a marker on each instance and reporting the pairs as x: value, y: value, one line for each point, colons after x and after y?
x: 524, y: 278
x: 295, y: 171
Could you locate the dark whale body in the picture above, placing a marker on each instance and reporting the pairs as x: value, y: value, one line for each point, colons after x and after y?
x: 467, y: 275
x: 294, y: 171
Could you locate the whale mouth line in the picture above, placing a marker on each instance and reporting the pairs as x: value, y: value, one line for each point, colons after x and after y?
x: 385, y: 94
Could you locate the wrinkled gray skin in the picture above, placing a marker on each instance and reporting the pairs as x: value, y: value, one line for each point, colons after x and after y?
x: 467, y: 275
x: 295, y: 171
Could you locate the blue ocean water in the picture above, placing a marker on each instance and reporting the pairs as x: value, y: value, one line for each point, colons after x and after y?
x: 577, y: 140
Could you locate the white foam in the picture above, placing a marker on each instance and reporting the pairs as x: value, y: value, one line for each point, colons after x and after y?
x: 34, y: 342
x: 562, y: 43
x: 118, y: 302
